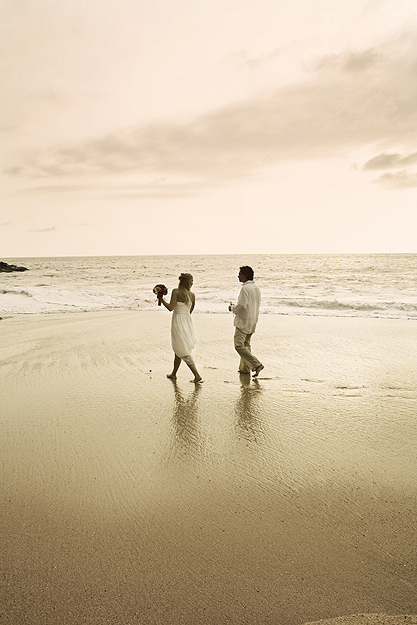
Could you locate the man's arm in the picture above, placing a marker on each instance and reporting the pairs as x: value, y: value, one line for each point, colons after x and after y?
x: 242, y: 302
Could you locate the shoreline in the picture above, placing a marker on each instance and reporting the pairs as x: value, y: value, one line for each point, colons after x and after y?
x: 197, y: 312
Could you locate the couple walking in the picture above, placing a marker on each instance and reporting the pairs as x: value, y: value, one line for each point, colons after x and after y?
x: 246, y: 313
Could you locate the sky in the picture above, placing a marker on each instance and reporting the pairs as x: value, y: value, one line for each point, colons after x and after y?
x: 207, y: 127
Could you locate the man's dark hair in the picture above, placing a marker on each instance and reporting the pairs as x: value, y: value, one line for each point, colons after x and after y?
x: 247, y: 271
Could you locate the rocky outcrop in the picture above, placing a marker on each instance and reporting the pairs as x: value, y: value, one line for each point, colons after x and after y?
x: 4, y: 267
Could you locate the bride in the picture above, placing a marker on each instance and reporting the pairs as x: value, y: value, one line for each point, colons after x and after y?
x: 182, y: 329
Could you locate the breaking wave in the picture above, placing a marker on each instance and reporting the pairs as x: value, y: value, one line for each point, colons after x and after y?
x: 43, y: 299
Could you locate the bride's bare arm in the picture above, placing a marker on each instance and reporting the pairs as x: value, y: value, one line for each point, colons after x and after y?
x: 192, y: 302
x: 171, y: 304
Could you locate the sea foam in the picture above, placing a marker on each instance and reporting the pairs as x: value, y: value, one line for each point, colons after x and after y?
x: 319, y: 285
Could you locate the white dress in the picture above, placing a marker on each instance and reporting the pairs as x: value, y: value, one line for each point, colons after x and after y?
x: 182, y: 330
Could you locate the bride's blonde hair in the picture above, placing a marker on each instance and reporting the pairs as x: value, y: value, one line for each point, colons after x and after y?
x: 184, y: 286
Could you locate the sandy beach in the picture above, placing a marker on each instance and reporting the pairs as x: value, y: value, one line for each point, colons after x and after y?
x: 129, y: 498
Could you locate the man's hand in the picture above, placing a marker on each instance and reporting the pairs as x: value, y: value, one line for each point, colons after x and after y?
x: 230, y: 306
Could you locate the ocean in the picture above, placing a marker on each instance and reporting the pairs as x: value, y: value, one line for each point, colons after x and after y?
x: 347, y: 285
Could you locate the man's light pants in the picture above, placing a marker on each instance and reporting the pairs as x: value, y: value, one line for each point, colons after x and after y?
x: 248, y: 362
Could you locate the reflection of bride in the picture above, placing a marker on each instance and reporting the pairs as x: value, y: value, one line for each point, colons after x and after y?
x: 185, y: 418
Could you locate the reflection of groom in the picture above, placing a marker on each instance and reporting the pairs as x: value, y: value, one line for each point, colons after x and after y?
x: 246, y: 313
x: 248, y: 411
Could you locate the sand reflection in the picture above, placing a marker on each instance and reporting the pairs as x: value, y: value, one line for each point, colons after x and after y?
x: 186, y: 439
x: 247, y: 409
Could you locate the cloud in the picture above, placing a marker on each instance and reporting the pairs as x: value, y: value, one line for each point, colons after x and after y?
x: 398, y: 180
x: 351, y: 62
x: 160, y: 188
x: 51, y: 229
x: 390, y: 161
x: 55, y: 188
x: 256, y: 59
x: 347, y: 101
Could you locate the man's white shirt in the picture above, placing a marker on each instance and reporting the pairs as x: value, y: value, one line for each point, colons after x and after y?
x: 247, y: 308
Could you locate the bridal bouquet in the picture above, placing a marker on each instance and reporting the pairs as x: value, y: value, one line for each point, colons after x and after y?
x: 160, y: 290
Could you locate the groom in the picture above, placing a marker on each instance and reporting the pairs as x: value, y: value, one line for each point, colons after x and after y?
x: 246, y: 313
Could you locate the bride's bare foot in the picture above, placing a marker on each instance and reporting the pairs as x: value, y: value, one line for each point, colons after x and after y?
x: 258, y: 370
x: 171, y: 376
x: 197, y: 379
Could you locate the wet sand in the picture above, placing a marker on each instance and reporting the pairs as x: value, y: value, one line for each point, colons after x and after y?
x: 129, y: 498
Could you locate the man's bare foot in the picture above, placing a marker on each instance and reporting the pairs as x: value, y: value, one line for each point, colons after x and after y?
x: 171, y: 376
x: 197, y: 380
x: 258, y: 370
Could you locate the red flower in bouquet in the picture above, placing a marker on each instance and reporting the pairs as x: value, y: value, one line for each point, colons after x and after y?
x: 160, y: 290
